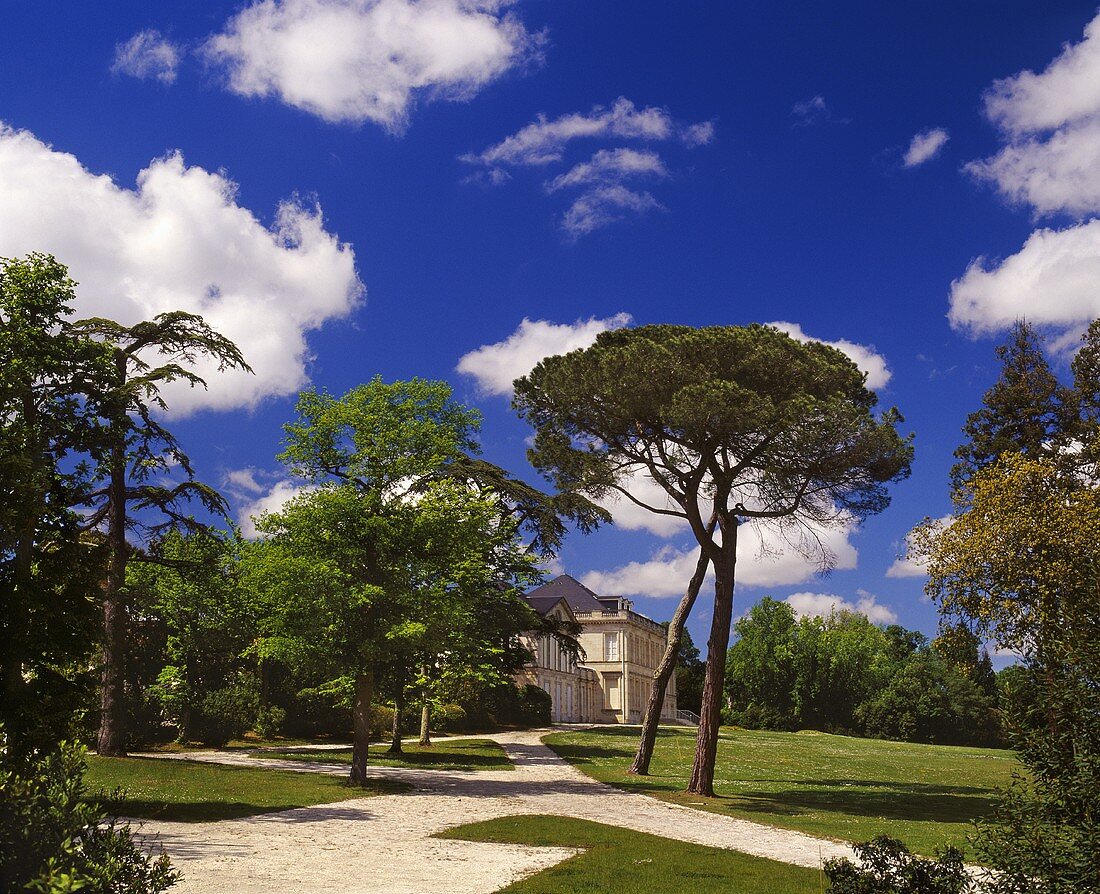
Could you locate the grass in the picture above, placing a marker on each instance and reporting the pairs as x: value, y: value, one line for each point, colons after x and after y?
x: 831, y: 786
x: 189, y: 791
x: 446, y: 754
x: 621, y: 861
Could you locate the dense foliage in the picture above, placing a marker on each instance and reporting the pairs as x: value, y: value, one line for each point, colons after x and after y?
x: 1020, y: 566
x: 53, y: 840
x: 842, y: 673
x: 886, y: 867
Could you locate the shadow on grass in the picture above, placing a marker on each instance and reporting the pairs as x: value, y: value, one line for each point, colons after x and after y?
x: 212, y: 809
x: 489, y: 756
x: 893, y: 804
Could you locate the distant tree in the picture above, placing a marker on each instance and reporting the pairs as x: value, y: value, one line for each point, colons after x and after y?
x: 902, y: 643
x: 928, y: 700
x: 1025, y: 411
x: 842, y: 661
x: 49, y: 572
x: 763, y: 667
x: 138, y: 454
x: 192, y: 586
x: 745, y: 423
x: 689, y: 674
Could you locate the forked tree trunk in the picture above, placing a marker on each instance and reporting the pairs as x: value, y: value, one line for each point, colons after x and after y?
x: 395, y: 733
x: 360, y: 719
x: 667, y: 667
x: 710, y: 713
x: 425, y: 723
x: 111, y: 741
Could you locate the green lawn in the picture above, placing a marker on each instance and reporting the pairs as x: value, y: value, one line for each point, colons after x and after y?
x: 620, y: 861
x: 443, y: 754
x: 832, y: 786
x: 190, y: 791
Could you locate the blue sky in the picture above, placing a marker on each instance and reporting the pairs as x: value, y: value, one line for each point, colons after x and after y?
x: 361, y: 187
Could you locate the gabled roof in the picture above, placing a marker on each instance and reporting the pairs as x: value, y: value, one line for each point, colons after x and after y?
x: 545, y: 604
x: 576, y: 595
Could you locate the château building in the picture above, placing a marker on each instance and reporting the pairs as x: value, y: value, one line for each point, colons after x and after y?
x: 621, y: 651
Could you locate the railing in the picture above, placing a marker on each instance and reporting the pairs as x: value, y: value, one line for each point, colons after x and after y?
x: 688, y: 717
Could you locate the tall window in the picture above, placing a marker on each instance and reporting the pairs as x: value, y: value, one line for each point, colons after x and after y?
x: 611, y: 647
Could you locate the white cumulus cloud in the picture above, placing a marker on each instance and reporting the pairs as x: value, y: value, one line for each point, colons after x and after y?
x: 353, y: 61
x: 821, y: 605
x: 180, y: 241
x: 906, y: 565
x: 275, y: 498
x: 1052, y: 174
x: 1067, y: 90
x: 148, y: 54
x: 764, y: 559
x: 495, y: 367
x: 1050, y: 162
x: 866, y: 358
x: 925, y: 146
x: 1052, y: 281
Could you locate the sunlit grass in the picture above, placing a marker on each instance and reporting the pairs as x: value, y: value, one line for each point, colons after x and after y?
x: 831, y: 786
x: 190, y: 791
x: 622, y: 861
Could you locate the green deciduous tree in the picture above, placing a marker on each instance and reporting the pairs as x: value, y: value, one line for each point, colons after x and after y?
x: 48, y: 573
x: 426, y: 592
x: 745, y: 423
x: 190, y: 583
x: 1021, y: 567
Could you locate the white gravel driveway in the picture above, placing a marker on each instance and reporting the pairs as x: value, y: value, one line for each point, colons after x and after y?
x: 384, y: 844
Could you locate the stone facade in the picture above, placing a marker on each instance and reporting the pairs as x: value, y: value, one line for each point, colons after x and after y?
x: 621, y: 651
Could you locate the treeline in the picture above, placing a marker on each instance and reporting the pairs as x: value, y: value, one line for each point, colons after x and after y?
x: 216, y: 650
x: 844, y: 674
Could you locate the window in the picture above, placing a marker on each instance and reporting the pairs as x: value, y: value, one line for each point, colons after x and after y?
x: 611, y: 647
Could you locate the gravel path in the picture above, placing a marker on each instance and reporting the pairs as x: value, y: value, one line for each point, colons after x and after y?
x: 383, y: 845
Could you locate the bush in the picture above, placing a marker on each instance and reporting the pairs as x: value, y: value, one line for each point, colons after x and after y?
x: 52, y: 840
x: 449, y: 718
x: 887, y: 867
x: 269, y: 721
x: 381, y: 721
x: 534, y: 706
x: 226, y: 714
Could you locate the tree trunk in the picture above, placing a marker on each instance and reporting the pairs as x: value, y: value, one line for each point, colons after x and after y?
x: 112, y: 724
x: 398, y: 707
x: 710, y: 712
x: 425, y: 721
x: 360, y: 717
x: 664, y: 671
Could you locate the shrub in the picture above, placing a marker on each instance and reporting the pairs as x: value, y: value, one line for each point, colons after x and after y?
x: 52, y: 840
x: 887, y: 867
x: 534, y: 706
x: 449, y: 718
x: 269, y: 721
x: 226, y: 714
x: 381, y: 721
